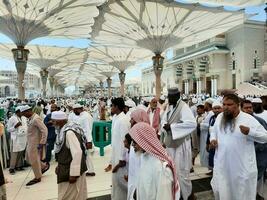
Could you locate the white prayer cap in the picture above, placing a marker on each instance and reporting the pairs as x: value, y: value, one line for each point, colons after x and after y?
x: 18, y: 108
x: 162, y: 97
x: 240, y: 96
x: 209, y: 100
x: 25, y: 108
x: 216, y: 104
x: 58, y: 115
x: 77, y: 105
x: 147, y: 99
x: 130, y: 103
x: 249, y: 98
x: 194, y: 100
x: 256, y: 100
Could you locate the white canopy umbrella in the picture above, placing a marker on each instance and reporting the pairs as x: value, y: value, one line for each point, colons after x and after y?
x: 120, y: 57
x: 157, y: 25
x: 45, y: 57
x: 237, y: 3
x: 22, y: 21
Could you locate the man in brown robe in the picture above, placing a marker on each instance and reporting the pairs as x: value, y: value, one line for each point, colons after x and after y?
x: 36, y: 141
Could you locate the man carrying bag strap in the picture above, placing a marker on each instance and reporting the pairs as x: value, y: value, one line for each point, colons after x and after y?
x: 177, y: 124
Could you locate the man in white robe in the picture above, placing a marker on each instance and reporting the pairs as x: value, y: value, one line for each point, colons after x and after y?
x: 17, y: 127
x: 85, y: 120
x: 179, y: 122
x: 157, y: 178
x: 120, y: 127
x: 204, y: 130
x: 233, y: 135
x: 70, y: 155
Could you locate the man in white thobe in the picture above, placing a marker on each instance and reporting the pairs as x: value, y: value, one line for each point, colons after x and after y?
x: 70, y: 155
x: 178, y: 123
x: 204, y: 130
x: 17, y: 127
x: 120, y: 127
x: 85, y: 120
x: 233, y: 135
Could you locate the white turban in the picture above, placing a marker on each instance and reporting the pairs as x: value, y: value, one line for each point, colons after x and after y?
x: 130, y: 103
x: 25, y: 108
x: 77, y: 105
x: 256, y: 100
x: 162, y: 97
x: 194, y: 100
x: 216, y: 104
x: 58, y: 115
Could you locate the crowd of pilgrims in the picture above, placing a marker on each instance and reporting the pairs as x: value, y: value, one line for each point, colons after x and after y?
x: 154, y: 144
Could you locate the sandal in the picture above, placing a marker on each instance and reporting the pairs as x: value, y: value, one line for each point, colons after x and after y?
x: 33, y: 181
x: 46, y: 168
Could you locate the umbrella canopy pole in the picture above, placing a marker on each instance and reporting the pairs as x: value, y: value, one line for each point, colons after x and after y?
x: 21, y: 57
x: 122, y: 82
x: 158, y: 68
x: 44, y: 76
x: 109, y: 81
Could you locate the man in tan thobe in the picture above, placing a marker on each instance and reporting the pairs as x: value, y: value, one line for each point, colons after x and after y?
x: 36, y: 139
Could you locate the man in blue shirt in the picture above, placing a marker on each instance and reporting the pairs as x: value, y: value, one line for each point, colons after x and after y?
x: 51, y: 138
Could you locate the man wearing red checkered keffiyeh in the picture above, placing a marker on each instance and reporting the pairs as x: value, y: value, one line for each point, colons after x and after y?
x: 155, y: 165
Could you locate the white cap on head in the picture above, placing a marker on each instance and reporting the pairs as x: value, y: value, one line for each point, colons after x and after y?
x: 209, y: 100
x: 147, y: 99
x: 17, y: 108
x: 58, y: 115
x: 130, y: 103
x: 77, y: 105
x: 216, y: 104
x: 162, y: 97
x: 256, y: 100
x: 25, y: 108
x: 194, y: 100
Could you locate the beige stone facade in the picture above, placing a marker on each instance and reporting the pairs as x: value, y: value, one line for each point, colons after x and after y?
x: 219, y: 63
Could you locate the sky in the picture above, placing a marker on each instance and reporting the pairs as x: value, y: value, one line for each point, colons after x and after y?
x: 83, y: 43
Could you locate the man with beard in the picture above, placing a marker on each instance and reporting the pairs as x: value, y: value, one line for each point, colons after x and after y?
x: 261, y: 149
x: 71, y: 157
x: 178, y: 123
x: 233, y: 136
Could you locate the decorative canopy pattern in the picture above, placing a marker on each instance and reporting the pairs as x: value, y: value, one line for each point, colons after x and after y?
x: 119, y: 57
x: 238, y: 3
x: 47, y: 56
x: 159, y: 25
x: 25, y: 20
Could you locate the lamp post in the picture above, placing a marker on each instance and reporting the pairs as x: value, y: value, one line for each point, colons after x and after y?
x: 158, y: 68
x: 21, y: 57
